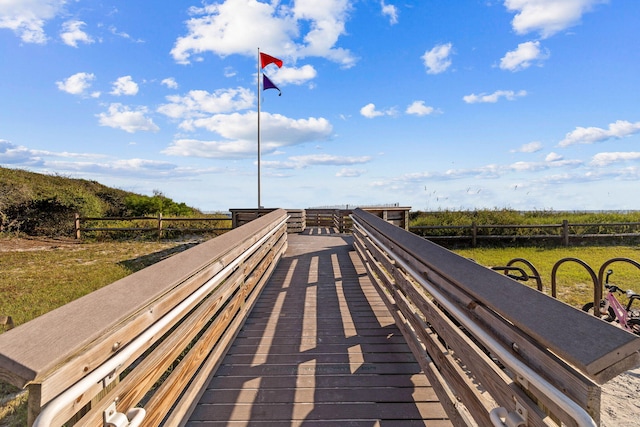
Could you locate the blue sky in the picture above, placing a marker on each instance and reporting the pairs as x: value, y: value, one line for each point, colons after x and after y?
x: 521, y: 104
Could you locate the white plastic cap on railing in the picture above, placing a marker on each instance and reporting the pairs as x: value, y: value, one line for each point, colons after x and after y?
x: 113, y: 418
x: 511, y: 419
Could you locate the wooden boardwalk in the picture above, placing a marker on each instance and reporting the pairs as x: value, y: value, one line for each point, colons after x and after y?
x: 319, y: 349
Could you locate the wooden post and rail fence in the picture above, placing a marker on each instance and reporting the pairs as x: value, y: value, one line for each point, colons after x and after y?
x: 298, y: 220
x: 565, y: 233
x: 141, y: 350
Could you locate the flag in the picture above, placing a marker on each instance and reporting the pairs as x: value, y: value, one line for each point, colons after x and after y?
x: 268, y: 84
x: 268, y: 59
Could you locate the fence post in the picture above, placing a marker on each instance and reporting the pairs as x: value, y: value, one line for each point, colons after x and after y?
x: 474, y: 234
x: 565, y: 232
x: 159, y: 225
x: 77, y: 226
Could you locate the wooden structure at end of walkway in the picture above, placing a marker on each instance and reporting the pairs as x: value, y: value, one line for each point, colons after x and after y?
x: 334, y: 218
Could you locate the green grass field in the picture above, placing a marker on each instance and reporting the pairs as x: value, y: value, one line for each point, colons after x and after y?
x: 573, y: 281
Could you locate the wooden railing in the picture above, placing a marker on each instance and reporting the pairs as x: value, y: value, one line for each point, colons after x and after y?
x: 341, y: 218
x: 151, y: 337
x: 492, y: 348
x: 564, y: 233
x: 160, y: 224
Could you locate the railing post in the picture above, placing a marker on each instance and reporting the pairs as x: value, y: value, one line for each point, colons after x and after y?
x: 33, y: 403
x: 474, y: 234
x: 159, y: 225
x: 565, y: 232
x: 77, y: 226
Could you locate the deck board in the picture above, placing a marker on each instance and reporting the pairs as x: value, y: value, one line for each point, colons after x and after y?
x: 318, y: 349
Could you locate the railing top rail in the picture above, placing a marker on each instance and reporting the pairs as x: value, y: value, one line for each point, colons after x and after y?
x: 570, y: 333
x: 32, y: 351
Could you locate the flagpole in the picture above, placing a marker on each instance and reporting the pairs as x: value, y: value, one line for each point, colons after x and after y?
x: 259, y: 205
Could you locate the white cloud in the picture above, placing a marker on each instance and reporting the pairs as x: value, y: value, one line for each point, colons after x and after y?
x: 419, y: 109
x: 438, y: 59
x: 350, y: 173
x: 276, y: 130
x: 302, y: 162
x: 329, y: 160
x: 530, y: 147
x: 238, y: 135
x: 200, y: 103
x: 553, y: 157
x: 72, y: 33
x: 547, y: 17
x: 296, y: 76
x: 122, y: 117
x: 19, y: 155
x: 11, y: 154
x: 170, y: 82
x: 124, y: 86
x: 369, y: 111
x: 493, y: 97
x: 113, y: 30
x: 605, y: 159
x: 77, y: 84
x: 523, y: 56
x: 221, y: 28
x: 186, y: 147
x: 527, y: 166
x: 391, y: 11
x: 617, y: 130
x: 27, y: 18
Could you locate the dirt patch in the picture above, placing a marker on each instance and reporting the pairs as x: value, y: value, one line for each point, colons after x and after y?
x: 35, y: 244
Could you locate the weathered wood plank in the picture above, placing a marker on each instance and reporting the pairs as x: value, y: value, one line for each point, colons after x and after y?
x: 99, y: 317
x: 321, y: 411
x: 577, y: 341
x: 319, y: 345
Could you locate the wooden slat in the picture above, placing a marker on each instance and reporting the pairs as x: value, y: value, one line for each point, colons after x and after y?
x: 563, y: 376
x: 572, y: 334
x: 319, y: 347
x: 481, y: 369
x: 41, y: 351
x: 195, y: 388
x: 133, y: 387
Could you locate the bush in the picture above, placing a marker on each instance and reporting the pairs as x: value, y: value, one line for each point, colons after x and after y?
x: 38, y: 204
x: 138, y: 205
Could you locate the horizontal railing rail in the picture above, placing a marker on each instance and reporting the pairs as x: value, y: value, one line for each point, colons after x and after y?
x: 564, y: 232
x: 491, y: 346
x: 159, y: 223
x: 144, y: 346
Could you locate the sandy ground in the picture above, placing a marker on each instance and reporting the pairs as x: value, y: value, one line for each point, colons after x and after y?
x: 620, y: 405
x: 34, y: 244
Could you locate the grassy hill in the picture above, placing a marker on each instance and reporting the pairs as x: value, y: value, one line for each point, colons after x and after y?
x: 39, y: 204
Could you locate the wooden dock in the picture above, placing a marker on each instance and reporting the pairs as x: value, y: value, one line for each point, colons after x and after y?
x: 319, y: 349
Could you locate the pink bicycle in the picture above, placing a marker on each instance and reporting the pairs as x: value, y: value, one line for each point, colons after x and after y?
x: 611, y: 309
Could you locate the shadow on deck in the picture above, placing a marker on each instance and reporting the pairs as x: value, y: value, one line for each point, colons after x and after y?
x: 319, y: 348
